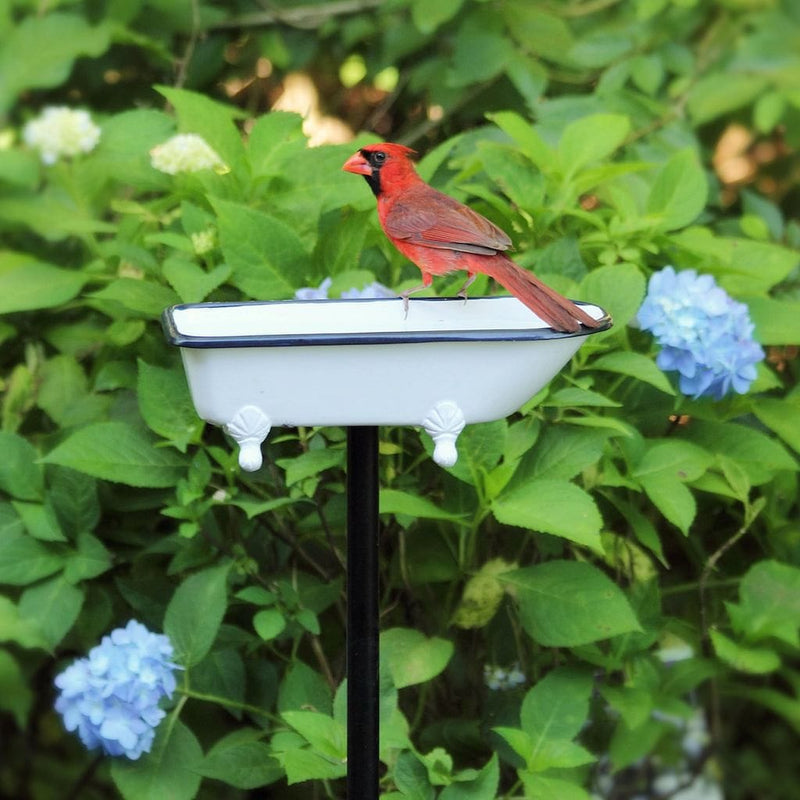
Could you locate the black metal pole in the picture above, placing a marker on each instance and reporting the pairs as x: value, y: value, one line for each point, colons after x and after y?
x: 362, y: 613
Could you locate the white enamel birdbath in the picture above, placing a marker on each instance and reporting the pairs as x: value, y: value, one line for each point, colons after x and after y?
x: 252, y: 366
x: 360, y: 364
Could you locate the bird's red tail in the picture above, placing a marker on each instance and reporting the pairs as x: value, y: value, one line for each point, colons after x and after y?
x: 556, y: 310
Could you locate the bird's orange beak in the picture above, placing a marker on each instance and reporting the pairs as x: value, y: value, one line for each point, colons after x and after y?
x: 357, y: 164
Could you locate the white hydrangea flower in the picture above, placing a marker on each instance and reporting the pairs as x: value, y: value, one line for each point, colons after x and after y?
x: 61, y: 131
x: 186, y: 152
x: 499, y: 679
x: 203, y: 242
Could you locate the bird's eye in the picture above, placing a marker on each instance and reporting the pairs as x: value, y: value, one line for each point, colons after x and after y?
x: 378, y: 158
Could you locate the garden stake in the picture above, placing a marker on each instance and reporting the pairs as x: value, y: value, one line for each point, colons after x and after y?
x: 362, y: 613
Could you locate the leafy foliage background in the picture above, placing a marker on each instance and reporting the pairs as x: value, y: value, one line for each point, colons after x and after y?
x: 608, y: 525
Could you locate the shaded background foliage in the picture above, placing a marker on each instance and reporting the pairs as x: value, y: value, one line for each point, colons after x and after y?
x: 610, y: 139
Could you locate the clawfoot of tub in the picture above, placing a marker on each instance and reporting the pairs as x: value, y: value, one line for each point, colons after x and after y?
x: 249, y: 427
x: 443, y: 424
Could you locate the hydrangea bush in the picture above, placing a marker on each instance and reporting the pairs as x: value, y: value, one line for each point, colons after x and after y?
x: 599, y: 600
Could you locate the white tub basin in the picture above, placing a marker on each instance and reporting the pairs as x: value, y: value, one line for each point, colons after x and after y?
x: 254, y: 365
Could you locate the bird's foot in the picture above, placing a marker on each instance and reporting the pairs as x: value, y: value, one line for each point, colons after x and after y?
x: 462, y: 292
x: 408, y: 292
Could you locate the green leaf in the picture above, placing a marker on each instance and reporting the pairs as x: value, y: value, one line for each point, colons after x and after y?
x: 590, y: 139
x: 480, y: 448
x: 777, y: 321
x: 635, y: 365
x: 411, y: 777
x: 576, y: 397
x: 599, y: 48
x: 275, y: 138
x: 19, y: 169
x: 634, y: 705
x: 720, y: 92
x: 769, y: 603
x: 74, y: 499
x: 116, y: 451
x: 90, y: 560
x: 303, y: 688
x: 64, y: 394
x: 755, y: 660
x: 759, y: 455
x: 192, y: 283
x: 557, y: 706
x: 40, y: 521
x: 525, y: 136
x: 680, y: 460
x: 743, y: 267
x: 429, y: 16
x: 540, y: 787
x: 553, y: 506
x: 267, y: 257
x: 482, y: 787
x: 166, y: 405
x: 480, y: 51
x: 310, y: 464
x: 195, y: 613
x: 679, y: 192
x: 269, y: 623
x: 514, y: 174
x: 54, y: 215
x: 322, y: 732
x: 27, y: 284
x: 222, y: 674
x: 529, y: 77
x: 672, y: 499
x: 25, y: 632
x: 306, y: 765
x: 412, y: 657
x: 20, y: 475
x: 145, y: 298
x: 54, y: 606
x: 518, y: 740
x: 339, y: 247
x: 170, y: 770
x: 561, y: 452
x: 618, y: 288
x: 629, y: 745
x: 39, y: 51
x: 553, y: 754
x: 24, y: 560
x: 538, y: 31
x: 569, y: 603
x: 394, y: 501
x: 241, y: 760
x: 16, y: 696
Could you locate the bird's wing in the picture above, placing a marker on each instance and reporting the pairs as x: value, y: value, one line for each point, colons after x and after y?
x: 436, y: 220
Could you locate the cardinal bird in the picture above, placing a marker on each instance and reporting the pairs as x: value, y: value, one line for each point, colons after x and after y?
x: 441, y: 235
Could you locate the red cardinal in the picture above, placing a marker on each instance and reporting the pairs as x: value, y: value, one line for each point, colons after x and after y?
x: 441, y: 235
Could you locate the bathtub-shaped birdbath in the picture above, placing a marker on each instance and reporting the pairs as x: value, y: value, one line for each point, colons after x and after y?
x: 447, y: 363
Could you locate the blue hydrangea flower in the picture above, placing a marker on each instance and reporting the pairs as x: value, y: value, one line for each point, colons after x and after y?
x: 370, y: 291
x: 705, y: 335
x: 112, y: 696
